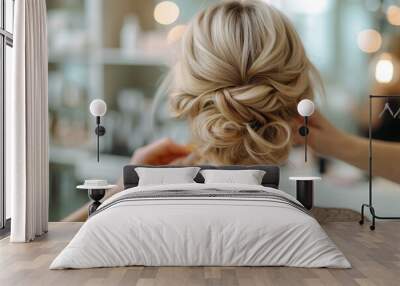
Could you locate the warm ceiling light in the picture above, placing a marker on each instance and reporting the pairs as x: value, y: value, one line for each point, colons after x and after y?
x: 384, y: 69
x: 393, y: 15
x: 166, y: 12
x: 175, y: 34
x: 369, y: 40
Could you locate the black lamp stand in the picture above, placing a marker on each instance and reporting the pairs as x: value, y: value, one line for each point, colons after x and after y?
x: 100, y: 131
x: 303, y: 130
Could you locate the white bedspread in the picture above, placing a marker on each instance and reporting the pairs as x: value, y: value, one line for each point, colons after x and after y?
x: 200, y: 231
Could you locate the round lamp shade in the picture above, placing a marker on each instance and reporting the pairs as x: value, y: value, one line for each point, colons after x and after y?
x: 305, y: 107
x: 98, y: 107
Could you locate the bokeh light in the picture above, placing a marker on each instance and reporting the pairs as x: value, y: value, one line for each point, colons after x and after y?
x: 166, y: 12
x: 393, y: 15
x: 175, y: 34
x: 384, y: 69
x: 369, y: 40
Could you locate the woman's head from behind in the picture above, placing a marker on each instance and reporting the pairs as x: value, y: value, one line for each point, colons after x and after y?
x: 242, y: 71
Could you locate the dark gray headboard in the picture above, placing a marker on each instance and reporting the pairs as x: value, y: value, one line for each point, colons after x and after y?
x: 271, y: 177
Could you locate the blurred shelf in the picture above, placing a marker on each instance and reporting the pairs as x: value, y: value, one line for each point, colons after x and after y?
x: 65, y: 58
x: 85, y: 164
x: 64, y: 4
x: 65, y: 155
x: 74, y: 156
x: 114, y: 57
x: 134, y: 58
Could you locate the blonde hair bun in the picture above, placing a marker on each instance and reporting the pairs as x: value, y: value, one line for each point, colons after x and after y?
x: 242, y: 72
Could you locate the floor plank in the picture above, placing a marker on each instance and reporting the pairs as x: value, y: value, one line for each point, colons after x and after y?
x: 375, y: 256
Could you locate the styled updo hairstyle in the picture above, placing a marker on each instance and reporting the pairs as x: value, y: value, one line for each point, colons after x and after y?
x: 241, y: 72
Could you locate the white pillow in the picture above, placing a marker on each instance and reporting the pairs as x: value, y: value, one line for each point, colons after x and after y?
x: 165, y: 176
x: 248, y: 177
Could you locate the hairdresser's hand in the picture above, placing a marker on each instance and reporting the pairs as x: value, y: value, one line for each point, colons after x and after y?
x: 329, y: 141
x: 324, y: 138
x: 160, y: 152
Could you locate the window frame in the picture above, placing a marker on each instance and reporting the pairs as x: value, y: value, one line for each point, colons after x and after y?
x: 6, y: 39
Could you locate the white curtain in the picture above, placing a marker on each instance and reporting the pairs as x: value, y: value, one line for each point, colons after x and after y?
x: 27, y: 124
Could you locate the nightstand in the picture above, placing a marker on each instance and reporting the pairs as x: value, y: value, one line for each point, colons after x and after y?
x: 96, y: 190
x: 305, y: 190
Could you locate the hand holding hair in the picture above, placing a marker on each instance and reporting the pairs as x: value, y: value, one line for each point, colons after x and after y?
x: 328, y: 141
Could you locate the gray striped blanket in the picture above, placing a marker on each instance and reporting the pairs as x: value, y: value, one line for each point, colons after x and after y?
x: 205, y: 194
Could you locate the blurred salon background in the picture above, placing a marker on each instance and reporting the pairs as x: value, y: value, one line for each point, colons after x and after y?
x: 119, y: 51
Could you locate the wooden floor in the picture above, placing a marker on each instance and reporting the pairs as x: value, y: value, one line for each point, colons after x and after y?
x: 375, y: 257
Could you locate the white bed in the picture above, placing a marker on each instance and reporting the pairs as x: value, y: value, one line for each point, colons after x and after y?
x: 205, y: 230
